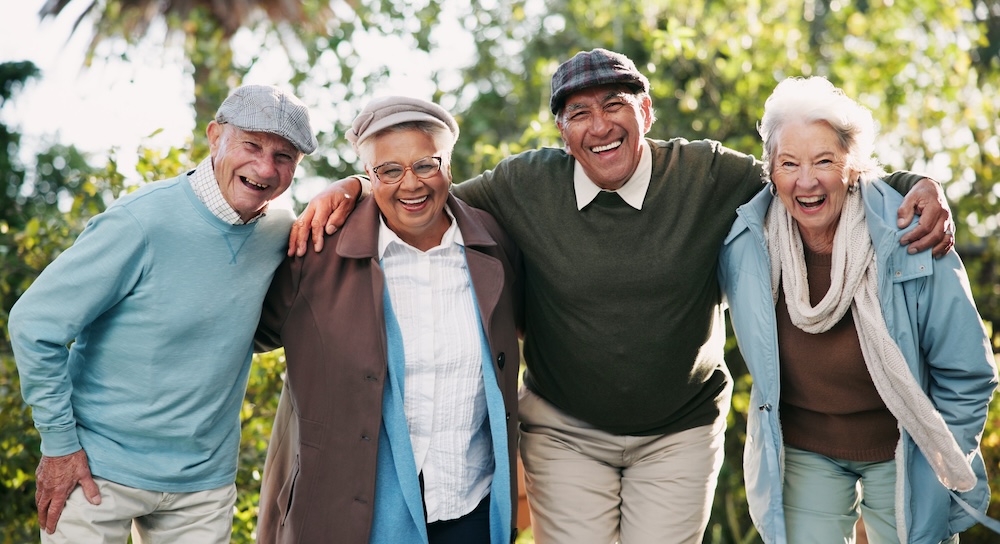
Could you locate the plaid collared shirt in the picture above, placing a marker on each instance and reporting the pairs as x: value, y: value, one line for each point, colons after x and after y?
x: 206, y: 188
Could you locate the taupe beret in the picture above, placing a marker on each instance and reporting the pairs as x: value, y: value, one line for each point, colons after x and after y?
x: 382, y: 113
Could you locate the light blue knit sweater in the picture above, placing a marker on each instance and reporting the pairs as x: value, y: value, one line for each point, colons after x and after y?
x: 160, y: 300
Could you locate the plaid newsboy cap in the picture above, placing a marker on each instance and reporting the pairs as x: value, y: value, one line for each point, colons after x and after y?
x: 592, y: 68
x: 263, y: 108
x: 382, y: 113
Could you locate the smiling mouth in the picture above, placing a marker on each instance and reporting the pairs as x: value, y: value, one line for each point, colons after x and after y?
x: 810, y: 201
x: 413, y: 201
x: 252, y: 184
x: 608, y: 147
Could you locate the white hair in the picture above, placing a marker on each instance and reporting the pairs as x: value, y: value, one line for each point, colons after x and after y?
x: 444, y: 140
x: 812, y: 100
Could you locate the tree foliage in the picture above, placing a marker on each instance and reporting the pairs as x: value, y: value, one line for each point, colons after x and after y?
x: 930, y: 72
x: 205, y: 29
x: 43, y: 205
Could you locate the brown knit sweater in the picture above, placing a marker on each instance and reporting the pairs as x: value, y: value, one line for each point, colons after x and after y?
x: 829, y: 404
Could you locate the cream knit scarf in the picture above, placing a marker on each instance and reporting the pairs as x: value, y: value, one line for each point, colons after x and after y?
x: 854, y: 285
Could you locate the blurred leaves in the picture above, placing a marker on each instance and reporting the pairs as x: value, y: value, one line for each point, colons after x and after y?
x: 930, y: 72
x: 43, y: 206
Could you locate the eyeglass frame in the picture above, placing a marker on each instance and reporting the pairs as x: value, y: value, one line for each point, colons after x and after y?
x: 437, y: 160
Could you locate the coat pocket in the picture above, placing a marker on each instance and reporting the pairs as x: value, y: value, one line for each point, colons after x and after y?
x: 286, y: 494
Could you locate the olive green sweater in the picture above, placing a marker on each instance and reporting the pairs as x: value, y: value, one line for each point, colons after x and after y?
x: 623, y: 321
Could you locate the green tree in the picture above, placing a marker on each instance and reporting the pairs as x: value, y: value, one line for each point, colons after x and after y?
x: 919, y: 65
x: 43, y: 206
x: 316, y: 36
x: 929, y: 71
x: 15, y: 473
x: 38, y: 231
x: 205, y: 28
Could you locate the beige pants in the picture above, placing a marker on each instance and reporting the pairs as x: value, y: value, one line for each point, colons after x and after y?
x: 587, y: 486
x: 202, y: 517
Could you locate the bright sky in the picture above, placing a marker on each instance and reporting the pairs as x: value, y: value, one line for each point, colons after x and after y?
x: 114, y: 104
x: 109, y: 104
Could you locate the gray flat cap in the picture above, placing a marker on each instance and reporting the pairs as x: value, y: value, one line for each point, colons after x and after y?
x: 382, y: 113
x: 263, y: 108
x: 593, y: 68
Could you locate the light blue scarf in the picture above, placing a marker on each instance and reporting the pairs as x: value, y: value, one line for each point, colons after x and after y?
x: 399, y: 512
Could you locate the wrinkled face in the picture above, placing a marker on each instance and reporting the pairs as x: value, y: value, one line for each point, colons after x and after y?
x: 252, y: 168
x: 810, y: 174
x: 413, y: 208
x: 603, y: 128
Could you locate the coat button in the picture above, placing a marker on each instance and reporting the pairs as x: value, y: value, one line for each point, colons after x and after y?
x: 501, y: 360
x: 508, y: 416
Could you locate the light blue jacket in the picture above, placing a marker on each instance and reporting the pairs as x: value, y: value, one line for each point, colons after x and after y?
x: 929, y: 310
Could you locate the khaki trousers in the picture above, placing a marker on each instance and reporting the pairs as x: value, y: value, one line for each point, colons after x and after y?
x: 586, y: 486
x: 201, y: 517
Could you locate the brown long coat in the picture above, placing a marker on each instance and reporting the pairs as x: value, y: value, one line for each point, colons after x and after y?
x: 326, y: 310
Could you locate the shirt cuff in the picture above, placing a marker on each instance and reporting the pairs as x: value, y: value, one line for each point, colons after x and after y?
x: 59, y: 443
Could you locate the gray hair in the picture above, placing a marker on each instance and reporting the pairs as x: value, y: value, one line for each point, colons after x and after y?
x: 443, y: 139
x: 814, y: 99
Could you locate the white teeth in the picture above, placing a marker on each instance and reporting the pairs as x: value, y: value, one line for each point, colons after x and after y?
x: 810, y: 200
x: 253, y: 183
x: 601, y: 148
x: 412, y: 201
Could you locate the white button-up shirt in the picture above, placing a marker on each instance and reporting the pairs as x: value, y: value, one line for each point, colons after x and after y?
x: 443, y: 393
x: 206, y: 188
x: 634, y: 190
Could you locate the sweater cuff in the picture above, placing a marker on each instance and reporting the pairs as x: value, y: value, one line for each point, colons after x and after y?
x: 366, y: 186
x: 59, y: 443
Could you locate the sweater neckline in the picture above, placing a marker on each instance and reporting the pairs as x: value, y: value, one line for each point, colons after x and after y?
x: 211, y: 218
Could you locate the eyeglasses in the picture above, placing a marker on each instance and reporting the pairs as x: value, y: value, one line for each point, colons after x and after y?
x: 392, y: 173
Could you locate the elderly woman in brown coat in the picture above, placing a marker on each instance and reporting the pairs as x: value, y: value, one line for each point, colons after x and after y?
x: 397, y: 419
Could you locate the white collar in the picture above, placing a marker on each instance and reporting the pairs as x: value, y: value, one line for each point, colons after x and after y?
x: 634, y: 190
x: 206, y: 188
x: 386, y: 235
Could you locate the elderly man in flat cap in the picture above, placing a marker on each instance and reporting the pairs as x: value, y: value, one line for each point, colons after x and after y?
x: 626, y: 391
x: 397, y: 421
x: 159, y: 297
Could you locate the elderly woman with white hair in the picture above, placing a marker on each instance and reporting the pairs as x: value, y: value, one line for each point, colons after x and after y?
x: 872, y: 371
x: 397, y: 420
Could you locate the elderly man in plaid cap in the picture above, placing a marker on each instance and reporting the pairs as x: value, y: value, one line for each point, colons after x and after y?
x: 159, y: 297
x: 626, y: 392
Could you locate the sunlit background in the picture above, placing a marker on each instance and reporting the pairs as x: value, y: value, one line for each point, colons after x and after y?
x: 929, y: 70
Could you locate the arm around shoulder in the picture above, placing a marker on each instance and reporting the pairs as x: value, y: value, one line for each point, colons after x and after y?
x: 326, y: 213
x: 924, y: 197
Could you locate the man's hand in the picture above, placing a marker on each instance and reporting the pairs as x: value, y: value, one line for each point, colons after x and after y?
x: 325, y: 213
x: 56, y: 478
x: 936, y: 228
